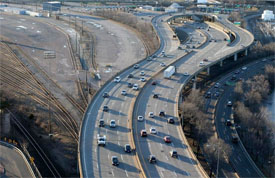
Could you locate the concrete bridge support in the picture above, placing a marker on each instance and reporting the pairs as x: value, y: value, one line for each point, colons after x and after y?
x: 235, y: 56
x: 221, y: 63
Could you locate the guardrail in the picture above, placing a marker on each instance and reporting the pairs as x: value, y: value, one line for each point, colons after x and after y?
x: 21, y: 154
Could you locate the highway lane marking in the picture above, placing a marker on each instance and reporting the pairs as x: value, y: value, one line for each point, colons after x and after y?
x: 239, y: 158
x: 166, y: 158
x: 175, y: 174
x: 126, y: 173
x: 149, y: 145
x: 108, y: 155
x: 113, y: 173
x: 118, y: 143
x: 161, y: 173
x: 121, y: 157
x: 172, y: 144
x: 97, y: 165
x: 248, y: 171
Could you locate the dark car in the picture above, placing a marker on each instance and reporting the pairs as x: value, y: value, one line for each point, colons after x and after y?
x: 136, y: 66
x: 115, y: 161
x: 234, y: 77
x: 101, y: 123
x: 155, y: 96
x: 152, y: 159
x: 162, y: 113
x: 217, y: 94
x: 174, y: 153
x: 208, y: 95
x: 235, y: 139
x: 130, y: 76
x: 127, y: 148
x: 105, y: 108
x: 130, y: 85
x: 228, y: 122
x: 143, y: 133
x: 170, y: 120
x: 105, y: 95
x: 205, y: 60
x: 154, y: 83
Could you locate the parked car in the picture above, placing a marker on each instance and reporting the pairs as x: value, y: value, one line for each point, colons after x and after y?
x: 101, y: 123
x: 130, y: 85
x: 151, y: 114
x: 123, y: 92
x: 154, y: 82
x: 142, y: 79
x: 162, y: 64
x: 142, y: 73
x: 162, y: 113
x: 153, y: 130
x: 135, y: 87
x: 155, y: 95
x: 130, y: 76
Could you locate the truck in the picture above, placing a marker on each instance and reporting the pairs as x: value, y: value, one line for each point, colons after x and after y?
x: 101, y: 140
x: 169, y: 71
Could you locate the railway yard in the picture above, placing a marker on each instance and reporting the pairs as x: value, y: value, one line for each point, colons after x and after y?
x: 85, y: 96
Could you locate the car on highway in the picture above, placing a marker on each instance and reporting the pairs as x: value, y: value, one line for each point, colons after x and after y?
x: 153, y: 130
x: 167, y: 139
x: 154, y: 82
x: 140, y: 118
x: 130, y: 76
x: 244, y: 68
x: 142, y: 79
x: 124, y: 92
x: 155, y: 95
x: 149, y: 59
x: 235, y: 139
x: 115, y: 161
x: 154, y: 56
x: 208, y: 94
x: 205, y: 60
x: 171, y: 120
x: 174, y: 153
x: 186, y: 74
x: 151, y: 114
x: 105, y: 95
x: 162, y: 113
x: 142, y: 73
x: 117, y: 79
x: 130, y: 85
x: 162, y: 64
x: 135, y: 87
x: 101, y: 140
x: 152, y: 159
x: 127, y: 148
x: 237, y: 72
x: 136, y: 66
x: 201, y: 64
x: 229, y: 103
x: 112, y: 123
x: 228, y: 122
x: 217, y: 85
x: 143, y: 133
x: 101, y: 123
x: 216, y: 94
x: 105, y: 108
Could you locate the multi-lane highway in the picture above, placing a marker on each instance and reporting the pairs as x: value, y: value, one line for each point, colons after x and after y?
x: 239, y: 159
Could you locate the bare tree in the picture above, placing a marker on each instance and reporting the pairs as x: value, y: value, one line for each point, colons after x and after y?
x: 238, y: 91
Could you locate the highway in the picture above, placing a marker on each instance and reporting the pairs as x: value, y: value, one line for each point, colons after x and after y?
x: 239, y: 159
x: 96, y: 160
x: 14, y: 163
x: 167, y: 166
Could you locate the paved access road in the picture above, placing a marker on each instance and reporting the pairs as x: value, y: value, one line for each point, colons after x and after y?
x: 239, y: 160
x: 167, y: 89
x: 14, y: 163
x: 95, y: 161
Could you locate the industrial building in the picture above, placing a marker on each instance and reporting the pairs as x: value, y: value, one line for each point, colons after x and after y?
x: 52, y: 6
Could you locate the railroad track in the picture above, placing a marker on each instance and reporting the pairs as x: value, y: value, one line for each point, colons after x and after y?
x: 21, y: 79
x: 36, y: 146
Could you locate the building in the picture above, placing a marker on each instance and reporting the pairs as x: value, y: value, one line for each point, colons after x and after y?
x: 268, y: 15
x: 175, y: 7
x: 52, y: 6
x: 201, y: 1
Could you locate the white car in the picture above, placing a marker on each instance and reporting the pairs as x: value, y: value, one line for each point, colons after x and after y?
x: 135, y: 87
x: 162, y: 64
x: 117, y: 79
x: 112, y: 123
x: 153, y: 130
x: 142, y: 79
x: 123, y: 92
x: 142, y: 73
x: 136, y: 66
x: 202, y: 64
x: 244, y: 68
x: 151, y: 115
x: 140, y: 118
x: 185, y: 74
